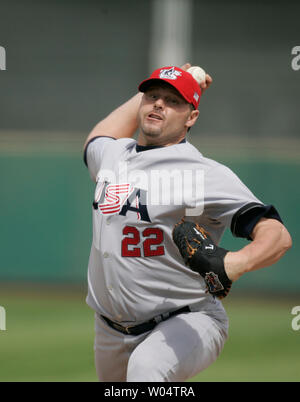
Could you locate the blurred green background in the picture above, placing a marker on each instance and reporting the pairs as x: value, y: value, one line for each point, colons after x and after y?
x: 68, y: 65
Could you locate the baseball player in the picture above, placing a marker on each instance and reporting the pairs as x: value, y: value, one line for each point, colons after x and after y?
x: 156, y: 273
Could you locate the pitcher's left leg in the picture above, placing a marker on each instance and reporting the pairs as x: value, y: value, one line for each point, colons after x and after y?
x: 178, y: 349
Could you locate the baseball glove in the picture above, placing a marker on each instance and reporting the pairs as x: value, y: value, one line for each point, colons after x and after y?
x: 203, y: 256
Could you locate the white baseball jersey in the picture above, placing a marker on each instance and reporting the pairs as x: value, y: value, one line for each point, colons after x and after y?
x: 135, y: 270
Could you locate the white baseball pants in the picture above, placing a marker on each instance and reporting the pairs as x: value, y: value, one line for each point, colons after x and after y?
x: 175, y: 350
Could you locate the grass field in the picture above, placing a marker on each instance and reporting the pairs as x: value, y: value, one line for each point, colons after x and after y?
x: 49, y: 337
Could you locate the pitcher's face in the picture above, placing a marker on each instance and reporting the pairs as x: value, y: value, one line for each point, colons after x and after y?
x: 164, y: 116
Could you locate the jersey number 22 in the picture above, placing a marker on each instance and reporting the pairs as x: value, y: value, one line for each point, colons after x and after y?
x: 151, y: 245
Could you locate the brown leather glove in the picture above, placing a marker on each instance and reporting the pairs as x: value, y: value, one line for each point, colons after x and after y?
x: 203, y: 256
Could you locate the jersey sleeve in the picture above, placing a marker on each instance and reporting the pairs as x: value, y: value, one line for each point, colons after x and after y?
x: 93, y: 153
x: 246, y: 218
x: 229, y: 203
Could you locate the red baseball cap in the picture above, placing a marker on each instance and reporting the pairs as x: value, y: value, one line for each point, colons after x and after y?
x: 181, y: 80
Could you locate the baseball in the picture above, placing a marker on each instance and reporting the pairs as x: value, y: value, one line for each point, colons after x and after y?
x: 198, y: 73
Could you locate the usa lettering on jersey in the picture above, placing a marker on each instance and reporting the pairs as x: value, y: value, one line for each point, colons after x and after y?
x: 112, y: 199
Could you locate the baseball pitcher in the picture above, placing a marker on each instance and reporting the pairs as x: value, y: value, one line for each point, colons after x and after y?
x: 156, y: 274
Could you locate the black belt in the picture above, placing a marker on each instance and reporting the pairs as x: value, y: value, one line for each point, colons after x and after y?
x: 146, y: 326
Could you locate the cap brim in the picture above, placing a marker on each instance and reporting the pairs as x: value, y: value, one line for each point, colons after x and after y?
x: 144, y: 85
